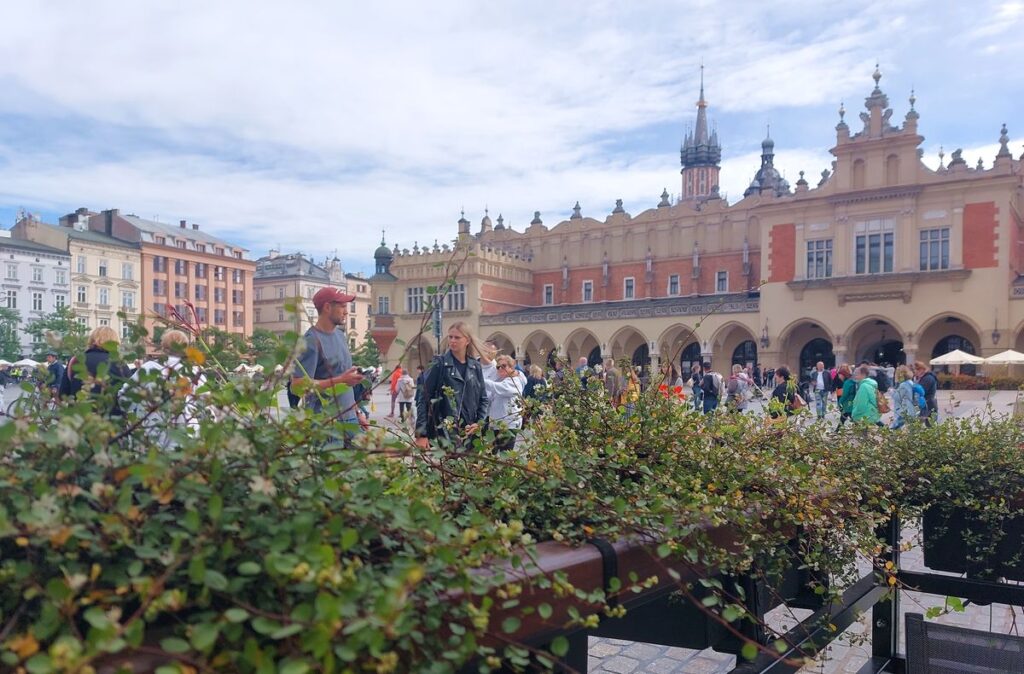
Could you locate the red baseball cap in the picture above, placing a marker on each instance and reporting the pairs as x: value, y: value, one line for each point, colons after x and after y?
x: 328, y: 294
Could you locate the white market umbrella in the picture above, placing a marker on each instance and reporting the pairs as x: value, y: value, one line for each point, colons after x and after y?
x: 25, y: 362
x: 1008, y: 357
x: 957, y: 357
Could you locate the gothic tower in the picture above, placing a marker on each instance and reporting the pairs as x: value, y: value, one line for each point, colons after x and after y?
x: 699, y: 155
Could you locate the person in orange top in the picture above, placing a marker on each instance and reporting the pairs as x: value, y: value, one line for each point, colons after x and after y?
x: 396, y: 374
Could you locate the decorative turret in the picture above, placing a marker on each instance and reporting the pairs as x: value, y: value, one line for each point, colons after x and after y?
x: 383, y: 257
x: 700, y: 154
x: 485, y: 224
x: 1004, y: 143
x: 501, y: 223
x: 618, y: 207
x: 575, y: 212
x: 768, y: 178
x: 664, y: 203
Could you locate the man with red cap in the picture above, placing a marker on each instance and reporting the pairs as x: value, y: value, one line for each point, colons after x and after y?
x: 327, y: 361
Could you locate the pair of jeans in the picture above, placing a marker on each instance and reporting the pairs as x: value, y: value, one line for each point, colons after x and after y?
x: 710, y: 403
x: 820, y: 402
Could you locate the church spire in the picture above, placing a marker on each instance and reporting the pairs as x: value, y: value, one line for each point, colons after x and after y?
x: 700, y: 154
x: 701, y: 133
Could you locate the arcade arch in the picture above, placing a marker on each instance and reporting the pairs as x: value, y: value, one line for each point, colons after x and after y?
x: 877, y: 340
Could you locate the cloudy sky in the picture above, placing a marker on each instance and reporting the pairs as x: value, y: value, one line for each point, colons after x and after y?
x: 314, y: 125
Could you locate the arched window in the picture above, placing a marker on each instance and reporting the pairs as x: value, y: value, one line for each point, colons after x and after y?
x: 691, y: 356
x: 745, y: 354
x: 892, y: 170
x: 858, y: 174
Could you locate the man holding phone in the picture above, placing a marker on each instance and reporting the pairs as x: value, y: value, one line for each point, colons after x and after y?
x: 327, y: 361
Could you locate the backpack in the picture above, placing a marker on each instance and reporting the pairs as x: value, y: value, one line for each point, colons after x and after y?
x: 407, y: 389
x: 919, y: 400
x: 882, y: 379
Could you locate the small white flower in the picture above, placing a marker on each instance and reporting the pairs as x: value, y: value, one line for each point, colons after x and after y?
x: 67, y: 436
x: 239, y: 445
x: 262, y: 485
x: 101, y: 458
x: 76, y: 580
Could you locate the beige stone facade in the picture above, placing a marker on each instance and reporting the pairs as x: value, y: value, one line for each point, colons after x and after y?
x: 105, y: 273
x: 885, y: 260
x: 284, y: 286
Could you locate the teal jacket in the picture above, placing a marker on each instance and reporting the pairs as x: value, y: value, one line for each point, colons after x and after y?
x: 865, y: 404
x: 846, y: 397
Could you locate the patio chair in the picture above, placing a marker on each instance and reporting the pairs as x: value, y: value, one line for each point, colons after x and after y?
x: 942, y: 649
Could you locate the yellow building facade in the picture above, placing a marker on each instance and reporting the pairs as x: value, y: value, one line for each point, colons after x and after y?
x: 884, y: 260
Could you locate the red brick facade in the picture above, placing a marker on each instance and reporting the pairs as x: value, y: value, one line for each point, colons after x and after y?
x: 499, y: 299
x: 981, y: 224
x: 782, y: 253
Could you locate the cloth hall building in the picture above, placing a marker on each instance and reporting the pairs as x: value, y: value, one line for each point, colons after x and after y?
x: 884, y: 259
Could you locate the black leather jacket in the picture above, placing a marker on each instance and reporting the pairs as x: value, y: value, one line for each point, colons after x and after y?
x: 467, y: 403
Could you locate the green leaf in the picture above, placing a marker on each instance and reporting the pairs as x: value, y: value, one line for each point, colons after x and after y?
x: 560, y: 646
x: 749, y: 651
x: 39, y: 664
x: 236, y: 615
x: 215, y: 580
x: 664, y: 550
x: 249, y: 568
x: 293, y: 667
x: 544, y: 611
x: 731, y: 613
x: 204, y: 635
x: 510, y: 625
x: 265, y: 625
x: 349, y: 537
x: 175, y: 645
x: 287, y: 631
x: 216, y: 507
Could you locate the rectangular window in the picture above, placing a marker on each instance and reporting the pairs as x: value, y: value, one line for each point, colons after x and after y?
x: 104, y: 321
x: 37, y: 301
x: 103, y: 267
x: 12, y: 299
x: 160, y: 309
x: 201, y: 293
x: 280, y: 315
x: 722, y: 282
x: 457, y: 297
x: 258, y: 294
x: 181, y: 267
x: 588, y: 291
x: 628, y: 288
x: 351, y: 308
x: 125, y: 329
x: 236, y: 296
x: 60, y: 277
x: 201, y: 247
x: 159, y: 264
x: 414, y: 300
x: 384, y: 305
x: 218, y: 295
x: 874, y: 247
x: 934, y: 249
x: 256, y: 315
x: 237, y: 275
x: 12, y: 271
x: 127, y: 271
x: 200, y: 270
x: 237, y: 319
x: 180, y: 243
x: 280, y: 292
x: 352, y: 323
x: 83, y: 322
x: 238, y: 254
x: 218, y: 273
x: 159, y: 288
x: 104, y: 297
x: 81, y: 264
x: 161, y: 241
x: 201, y: 313
x: 128, y: 299
x: 819, y: 258
x: 37, y: 274
x: 180, y: 289
x: 673, y: 284
x: 60, y: 301
x: 549, y: 294
x: 219, y: 251
x: 218, y: 317
x: 80, y: 295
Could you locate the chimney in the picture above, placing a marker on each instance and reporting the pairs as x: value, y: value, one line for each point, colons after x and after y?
x: 184, y: 224
x: 195, y: 226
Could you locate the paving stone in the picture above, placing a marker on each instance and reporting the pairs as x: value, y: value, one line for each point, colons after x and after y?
x: 704, y: 665
x: 619, y: 664
x: 665, y: 666
x: 603, y: 649
x: 644, y: 652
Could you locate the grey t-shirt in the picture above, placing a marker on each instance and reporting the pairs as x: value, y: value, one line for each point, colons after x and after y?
x: 330, y: 359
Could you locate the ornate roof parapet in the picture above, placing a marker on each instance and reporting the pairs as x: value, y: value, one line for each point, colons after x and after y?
x: 768, y: 180
x: 664, y: 203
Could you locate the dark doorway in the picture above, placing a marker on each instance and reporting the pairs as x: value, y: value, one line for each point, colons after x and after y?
x: 690, y: 357
x: 745, y: 354
x: 816, y: 350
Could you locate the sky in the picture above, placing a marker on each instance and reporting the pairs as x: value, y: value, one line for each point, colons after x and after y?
x: 313, y: 126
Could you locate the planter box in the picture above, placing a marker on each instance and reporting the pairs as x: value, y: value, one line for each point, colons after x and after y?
x: 945, y: 532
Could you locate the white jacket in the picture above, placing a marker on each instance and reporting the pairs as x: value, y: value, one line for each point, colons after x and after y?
x: 505, y: 396
x: 402, y: 381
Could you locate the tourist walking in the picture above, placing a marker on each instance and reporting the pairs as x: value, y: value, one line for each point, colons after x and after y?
x: 930, y: 383
x: 846, y: 390
x: 96, y: 354
x: 865, y: 402
x: 903, y: 406
x: 506, y: 388
x: 452, y: 403
x: 396, y: 374
x: 784, y: 395
x: 738, y: 389
x: 406, y: 395
x: 821, y: 387
x: 712, y: 387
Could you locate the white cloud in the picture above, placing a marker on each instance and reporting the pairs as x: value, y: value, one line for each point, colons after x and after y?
x: 315, y: 124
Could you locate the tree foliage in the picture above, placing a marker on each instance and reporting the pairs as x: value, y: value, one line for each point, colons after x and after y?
x: 366, y: 354
x: 58, y: 332
x: 10, y: 345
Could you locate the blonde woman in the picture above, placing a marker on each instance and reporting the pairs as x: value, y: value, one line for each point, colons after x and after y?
x: 452, y: 402
x: 101, y: 341
x: 903, y: 407
x: 505, y: 389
